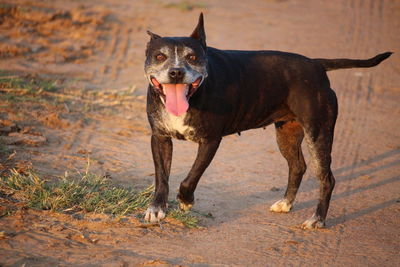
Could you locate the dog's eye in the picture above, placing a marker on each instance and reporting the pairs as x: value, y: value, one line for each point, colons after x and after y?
x: 161, y: 57
x: 191, y: 57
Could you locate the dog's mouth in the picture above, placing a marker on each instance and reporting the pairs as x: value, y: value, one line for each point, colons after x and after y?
x: 176, y: 96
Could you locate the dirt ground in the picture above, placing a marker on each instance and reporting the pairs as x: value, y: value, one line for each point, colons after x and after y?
x: 95, y: 52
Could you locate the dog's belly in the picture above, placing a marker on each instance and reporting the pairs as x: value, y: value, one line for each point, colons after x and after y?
x: 248, y: 120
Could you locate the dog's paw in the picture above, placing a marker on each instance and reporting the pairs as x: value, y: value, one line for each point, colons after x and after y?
x: 185, y: 201
x: 154, y: 214
x: 313, y: 223
x: 282, y: 205
x: 184, y: 206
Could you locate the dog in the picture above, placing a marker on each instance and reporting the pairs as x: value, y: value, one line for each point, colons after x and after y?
x: 202, y: 94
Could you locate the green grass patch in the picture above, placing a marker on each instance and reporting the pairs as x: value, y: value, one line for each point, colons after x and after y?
x: 16, y: 88
x: 88, y: 192
x: 185, y: 5
x: 29, y: 84
x: 91, y: 193
x: 185, y: 217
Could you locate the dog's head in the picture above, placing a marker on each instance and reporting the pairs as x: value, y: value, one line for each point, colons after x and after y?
x: 176, y: 67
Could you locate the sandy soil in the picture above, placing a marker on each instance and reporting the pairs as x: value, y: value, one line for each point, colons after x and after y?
x: 96, y: 51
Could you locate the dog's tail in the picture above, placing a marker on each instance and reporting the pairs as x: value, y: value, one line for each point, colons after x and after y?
x: 344, y: 63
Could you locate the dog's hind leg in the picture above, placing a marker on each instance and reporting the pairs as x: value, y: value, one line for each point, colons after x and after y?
x: 319, y: 136
x: 320, y: 152
x: 289, y: 135
x: 161, y: 148
x: 205, y: 154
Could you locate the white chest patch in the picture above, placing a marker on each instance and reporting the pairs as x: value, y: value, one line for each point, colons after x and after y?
x: 177, y: 124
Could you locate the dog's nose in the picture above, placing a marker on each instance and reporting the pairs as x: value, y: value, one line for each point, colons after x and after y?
x: 176, y: 74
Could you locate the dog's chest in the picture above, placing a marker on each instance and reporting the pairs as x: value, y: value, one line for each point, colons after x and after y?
x: 176, y: 126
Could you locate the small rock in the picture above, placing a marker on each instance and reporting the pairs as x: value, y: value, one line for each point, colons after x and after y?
x: 275, y: 189
x: 78, y: 216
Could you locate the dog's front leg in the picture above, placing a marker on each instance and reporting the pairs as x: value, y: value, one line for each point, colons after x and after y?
x: 161, y: 148
x: 205, y: 154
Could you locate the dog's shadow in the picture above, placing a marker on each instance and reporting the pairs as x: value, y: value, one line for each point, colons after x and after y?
x: 241, y: 202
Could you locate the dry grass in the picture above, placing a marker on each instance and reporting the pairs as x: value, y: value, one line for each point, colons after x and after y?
x: 88, y: 192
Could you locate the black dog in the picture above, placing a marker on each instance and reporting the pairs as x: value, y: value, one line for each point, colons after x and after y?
x: 201, y: 94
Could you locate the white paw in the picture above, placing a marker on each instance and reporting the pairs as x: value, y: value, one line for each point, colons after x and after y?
x: 282, y: 205
x: 185, y: 207
x: 313, y: 223
x: 154, y: 214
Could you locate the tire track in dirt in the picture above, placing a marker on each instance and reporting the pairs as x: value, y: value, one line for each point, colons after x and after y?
x: 356, y: 94
x: 352, y: 89
x: 352, y: 93
x: 116, y: 56
x: 121, y: 53
x: 348, y: 98
x: 107, y: 69
x: 96, y: 146
x: 355, y: 91
x: 77, y: 148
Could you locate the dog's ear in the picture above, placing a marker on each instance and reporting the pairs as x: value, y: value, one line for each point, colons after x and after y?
x: 199, y: 32
x: 153, y: 35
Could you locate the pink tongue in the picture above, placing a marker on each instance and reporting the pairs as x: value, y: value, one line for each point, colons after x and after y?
x: 177, y: 103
